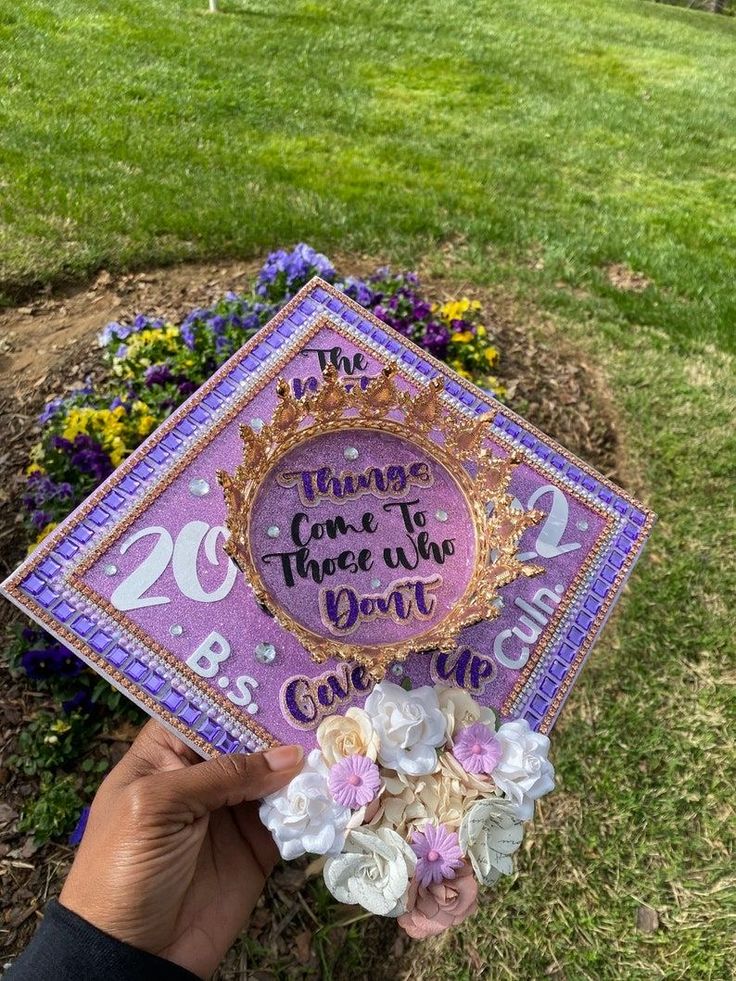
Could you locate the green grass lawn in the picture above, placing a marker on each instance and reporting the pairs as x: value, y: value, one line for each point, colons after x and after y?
x: 564, y: 135
x: 519, y: 146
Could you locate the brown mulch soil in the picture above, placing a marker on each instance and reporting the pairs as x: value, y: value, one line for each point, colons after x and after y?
x: 47, y: 347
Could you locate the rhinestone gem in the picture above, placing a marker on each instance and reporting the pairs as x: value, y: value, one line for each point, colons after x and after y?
x: 351, y: 453
x: 176, y: 630
x: 223, y: 682
x: 265, y: 653
x: 257, y: 424
x: 440, y: 514
x: 559, y: 588
x: 397, y: 669
x: 199, y: 487
x: 252, y: 708
x: 274, y: 531
x: 375, y: 583
x: 581, y: 525
x: 110, y: 569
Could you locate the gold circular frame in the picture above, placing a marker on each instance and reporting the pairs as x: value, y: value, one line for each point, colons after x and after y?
x: 334, y: 408
x: 437, y: 637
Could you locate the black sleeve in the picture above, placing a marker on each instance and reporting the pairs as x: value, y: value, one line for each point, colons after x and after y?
x: 68, y: 948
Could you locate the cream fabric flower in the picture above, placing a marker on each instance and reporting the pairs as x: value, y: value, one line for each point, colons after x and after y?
x: 406, y: 803
x: 409, y: 725
x: 443, y: 797
x: 523, y: 773
x: 489, y: 835
x: 373, y: 871
x: 460, y: 784
x: 460, y: 709
x: 303, y: 817
x: 347, y: 735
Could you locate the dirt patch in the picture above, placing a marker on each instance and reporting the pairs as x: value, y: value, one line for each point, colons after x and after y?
x: 624, y: 278
x: 47, y: 347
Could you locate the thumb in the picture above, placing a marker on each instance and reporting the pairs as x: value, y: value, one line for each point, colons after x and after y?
x: 228, y: 780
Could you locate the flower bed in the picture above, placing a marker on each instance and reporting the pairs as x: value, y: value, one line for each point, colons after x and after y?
x: 152, y: 366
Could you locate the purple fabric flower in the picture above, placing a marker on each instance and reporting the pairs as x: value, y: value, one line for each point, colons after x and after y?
x: 438, y: 854
x: 354, y: 781
x: 476, y: 748
x: 76, y: 836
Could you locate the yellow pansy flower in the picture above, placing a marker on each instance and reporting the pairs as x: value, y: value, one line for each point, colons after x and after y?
x: 457, y: 309
x: 457, y: 365
x: 42, y: 534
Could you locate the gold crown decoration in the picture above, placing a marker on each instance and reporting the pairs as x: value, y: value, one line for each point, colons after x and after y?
x: 339, y: 405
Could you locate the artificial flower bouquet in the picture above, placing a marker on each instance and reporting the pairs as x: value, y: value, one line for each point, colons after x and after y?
x: 414, y: 801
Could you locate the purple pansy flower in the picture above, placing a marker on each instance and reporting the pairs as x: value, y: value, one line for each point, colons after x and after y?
x: 354, y: 781
x: 476, y: 748
x: 81, y: 701
x: 76, y: 836
x: 283, y: 273
x: 438, y: 854
x: 55, y: 660
x: 157, y: 374
x: 86, y: 455
x: 50, y: 410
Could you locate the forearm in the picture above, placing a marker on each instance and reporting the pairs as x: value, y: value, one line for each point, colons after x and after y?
x: 68, y: 948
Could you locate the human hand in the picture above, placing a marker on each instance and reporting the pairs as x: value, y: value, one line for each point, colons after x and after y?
x: 174, y: 856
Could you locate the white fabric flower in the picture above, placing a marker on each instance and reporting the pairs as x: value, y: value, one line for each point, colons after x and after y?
x: 410, y: 727
x: 373, y: 871
x: 351, y: 734
x: 460, y: 709
x: 523, y: 773
x: 303, y: 817
x: 489, y: 835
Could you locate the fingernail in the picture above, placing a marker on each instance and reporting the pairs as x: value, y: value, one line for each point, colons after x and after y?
x: 283, y: 757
